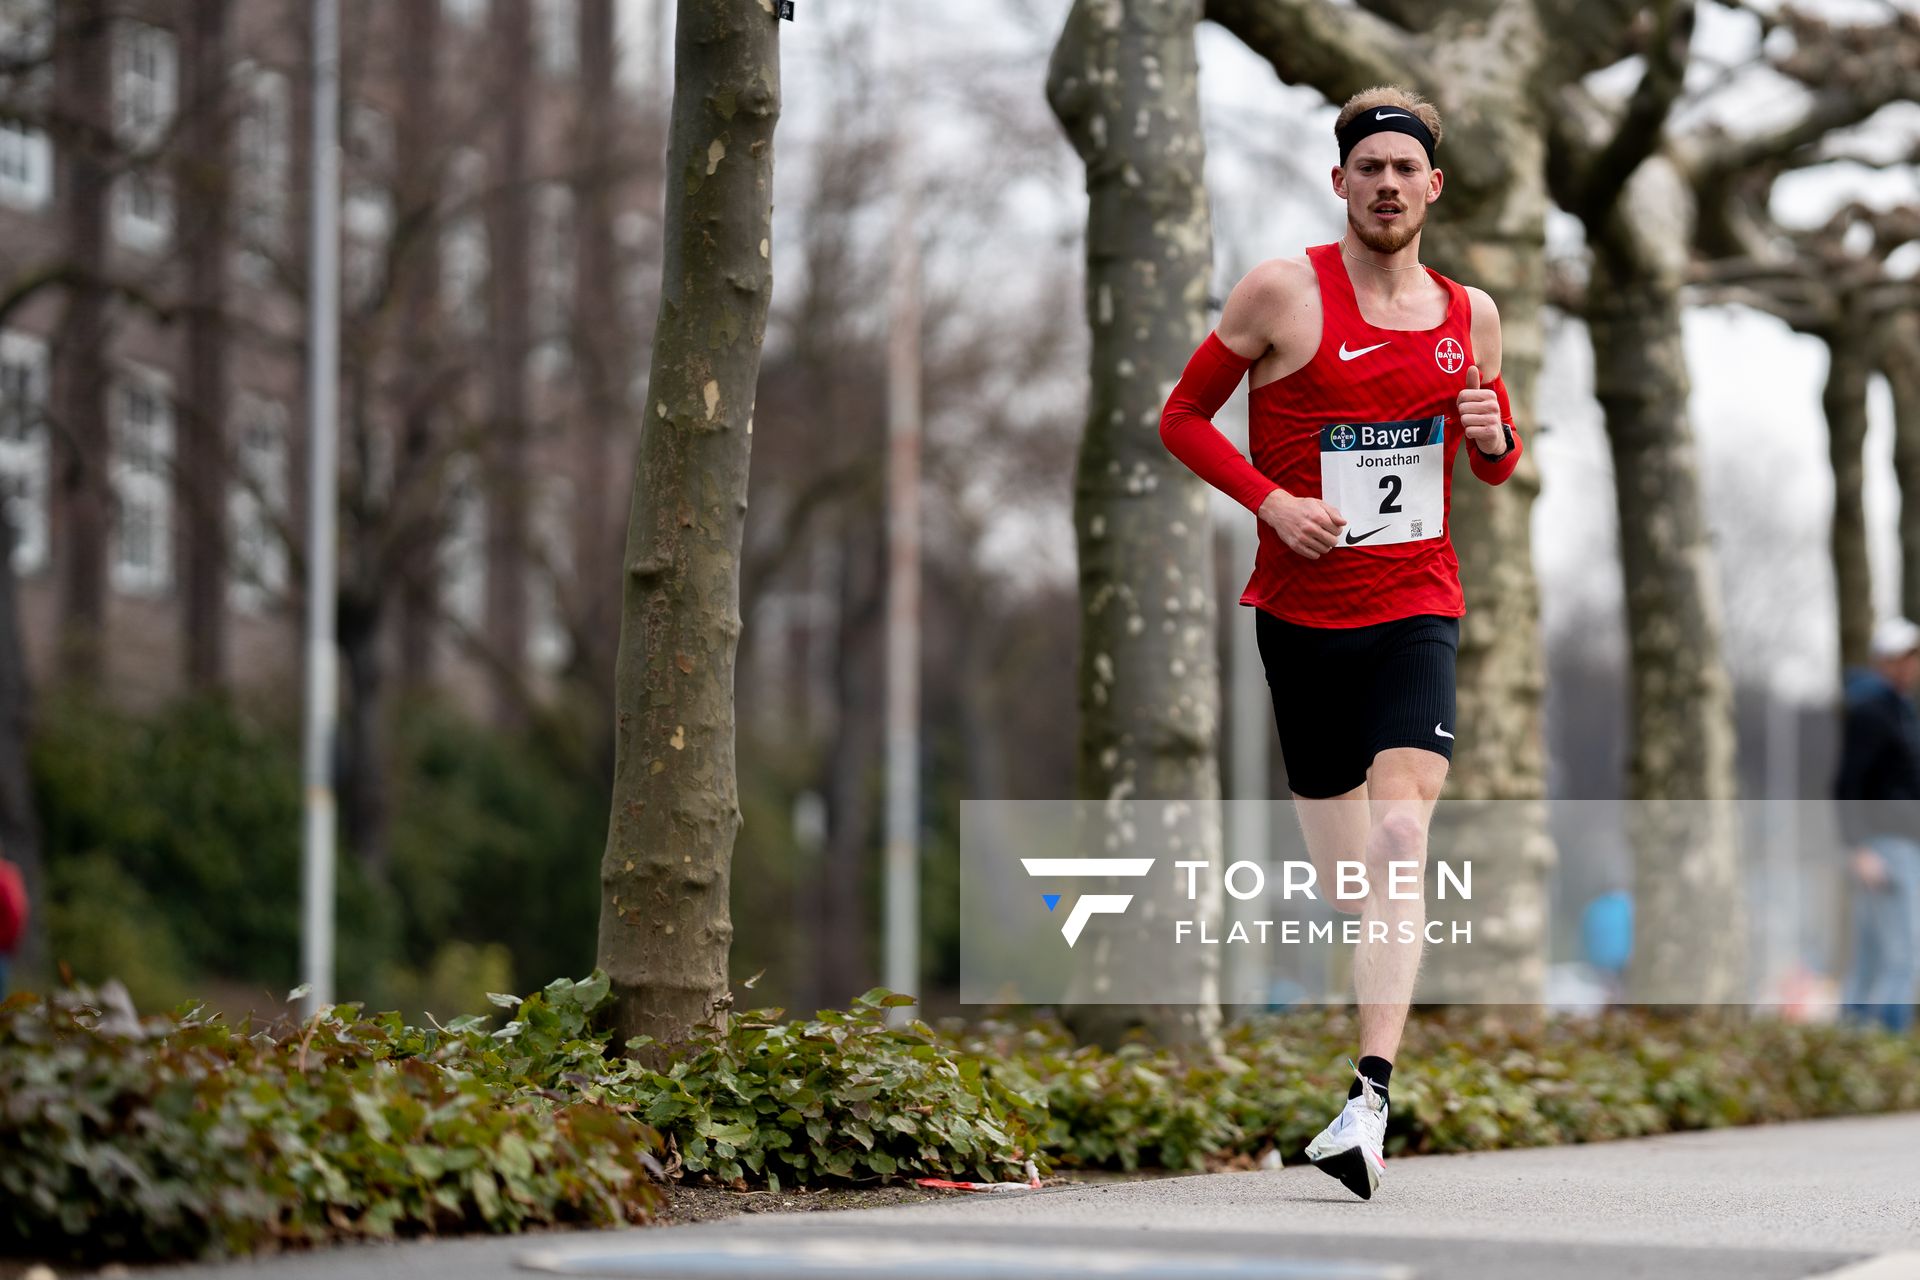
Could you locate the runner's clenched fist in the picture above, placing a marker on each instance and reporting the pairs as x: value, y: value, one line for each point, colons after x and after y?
x: 1308, y: 526
x: 1480, y: 416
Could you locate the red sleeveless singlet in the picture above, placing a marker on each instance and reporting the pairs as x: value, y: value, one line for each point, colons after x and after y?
x: 1359, y: 374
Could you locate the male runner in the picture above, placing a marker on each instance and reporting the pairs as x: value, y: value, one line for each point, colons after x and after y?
x: 1368, y: 371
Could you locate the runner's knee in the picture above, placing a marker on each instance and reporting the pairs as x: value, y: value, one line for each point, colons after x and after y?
x: 1397, y: 837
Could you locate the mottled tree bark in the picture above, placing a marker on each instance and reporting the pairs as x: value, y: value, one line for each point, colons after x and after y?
x: 1493, y: 234
x: 83, y: 509
x: 1901, y: 364
x: 202, y: 173
x: 1123, y: 82
x: 1844, y: 398
x: 665, y: 929
x: 1638, y: 213
x: 1686, y: 852
x: 509, y: 278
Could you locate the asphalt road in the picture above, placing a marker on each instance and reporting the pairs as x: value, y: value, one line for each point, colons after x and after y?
x: 1782, y: 1201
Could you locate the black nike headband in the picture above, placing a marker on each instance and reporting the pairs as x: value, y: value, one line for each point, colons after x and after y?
x: 1383, y: 119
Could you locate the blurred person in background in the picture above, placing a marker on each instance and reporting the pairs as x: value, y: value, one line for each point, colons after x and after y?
x: 1880, y: 762
x: 13, y: 918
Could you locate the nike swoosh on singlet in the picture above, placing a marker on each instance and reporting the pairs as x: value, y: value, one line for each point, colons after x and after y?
x: 1363, y: 537
x: 1442, y: 732
x: 1355, y: 355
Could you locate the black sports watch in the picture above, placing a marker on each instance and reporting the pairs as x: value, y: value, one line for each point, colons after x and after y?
x: 1495, y: 457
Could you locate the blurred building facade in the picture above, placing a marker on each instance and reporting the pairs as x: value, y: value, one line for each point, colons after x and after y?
x: 500, y: 205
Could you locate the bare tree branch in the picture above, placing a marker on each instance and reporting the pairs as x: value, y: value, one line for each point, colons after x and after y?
x: 1336, y: 50
x: 1641, y: 128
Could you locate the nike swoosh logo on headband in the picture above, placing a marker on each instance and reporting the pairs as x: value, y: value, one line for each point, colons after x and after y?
x: 1391, y: 115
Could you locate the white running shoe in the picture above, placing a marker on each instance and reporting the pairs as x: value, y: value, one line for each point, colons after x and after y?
x: 1350, y: 1147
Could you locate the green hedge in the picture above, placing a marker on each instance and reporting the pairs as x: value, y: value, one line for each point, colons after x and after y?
x: 171, y: 1137
x: 181, y: 1136
x: 1472, y: 1080
x: 128, y: 1138
x: 842, y: 1097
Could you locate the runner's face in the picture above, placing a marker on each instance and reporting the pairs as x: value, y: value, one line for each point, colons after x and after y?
x: 1387, y: 185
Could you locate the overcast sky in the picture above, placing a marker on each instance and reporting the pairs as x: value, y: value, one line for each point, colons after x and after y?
x: 1756, y: 385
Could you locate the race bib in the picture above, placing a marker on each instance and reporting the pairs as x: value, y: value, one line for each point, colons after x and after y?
x: 1385, y: 478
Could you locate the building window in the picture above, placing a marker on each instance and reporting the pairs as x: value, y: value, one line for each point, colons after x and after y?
x: 144, y: 101
x: 258, y: 507
x: 26, y: 154
x: 144, y: 83
x: 464, y: 254
x: 23, y: 447
x: 553, y: 266
x: 463, y: 548
x: 143, y: 213
x: 367, y: 212
x: 556, y: 34
x: 263, y: 146
x: 548, y: 641
x: 143, y: 483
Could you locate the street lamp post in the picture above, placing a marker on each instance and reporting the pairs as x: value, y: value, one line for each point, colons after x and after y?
x: 323, y: 370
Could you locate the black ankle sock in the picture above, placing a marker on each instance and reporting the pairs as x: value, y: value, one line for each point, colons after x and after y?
x: 1378, y: 1070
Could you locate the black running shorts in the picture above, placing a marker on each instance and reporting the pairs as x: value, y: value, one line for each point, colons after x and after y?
x: 1342, y: 695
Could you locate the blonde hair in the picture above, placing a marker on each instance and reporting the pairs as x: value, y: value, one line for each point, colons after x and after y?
x: 1390, y: 95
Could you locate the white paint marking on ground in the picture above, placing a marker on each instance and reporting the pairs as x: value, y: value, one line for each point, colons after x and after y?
x: 945, y: 1260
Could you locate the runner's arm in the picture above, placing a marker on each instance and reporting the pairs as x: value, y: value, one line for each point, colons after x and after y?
x: 1186, y: 424
x: 1487, y: 354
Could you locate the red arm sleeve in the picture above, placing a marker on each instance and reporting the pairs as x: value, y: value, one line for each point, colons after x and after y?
x: 1186, y: 424
x: 1495, y: 470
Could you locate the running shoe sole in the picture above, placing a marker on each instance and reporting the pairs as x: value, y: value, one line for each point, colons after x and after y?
x: 1351, y: 1168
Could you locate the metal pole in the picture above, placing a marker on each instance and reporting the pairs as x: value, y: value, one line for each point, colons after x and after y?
x: 323, y: 373
x: 903, y: 594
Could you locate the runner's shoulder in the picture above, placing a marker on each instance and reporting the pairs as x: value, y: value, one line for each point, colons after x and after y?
x: 1486, y: 330
x: 1281, y: 279
x: 1268, y: 307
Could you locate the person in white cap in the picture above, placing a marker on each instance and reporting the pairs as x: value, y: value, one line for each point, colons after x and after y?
x: 1879, y: 790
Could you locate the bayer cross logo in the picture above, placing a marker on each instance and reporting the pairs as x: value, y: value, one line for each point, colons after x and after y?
x: 1449, y: 356
x: 1091, y: 904
x: 1341, y: 437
